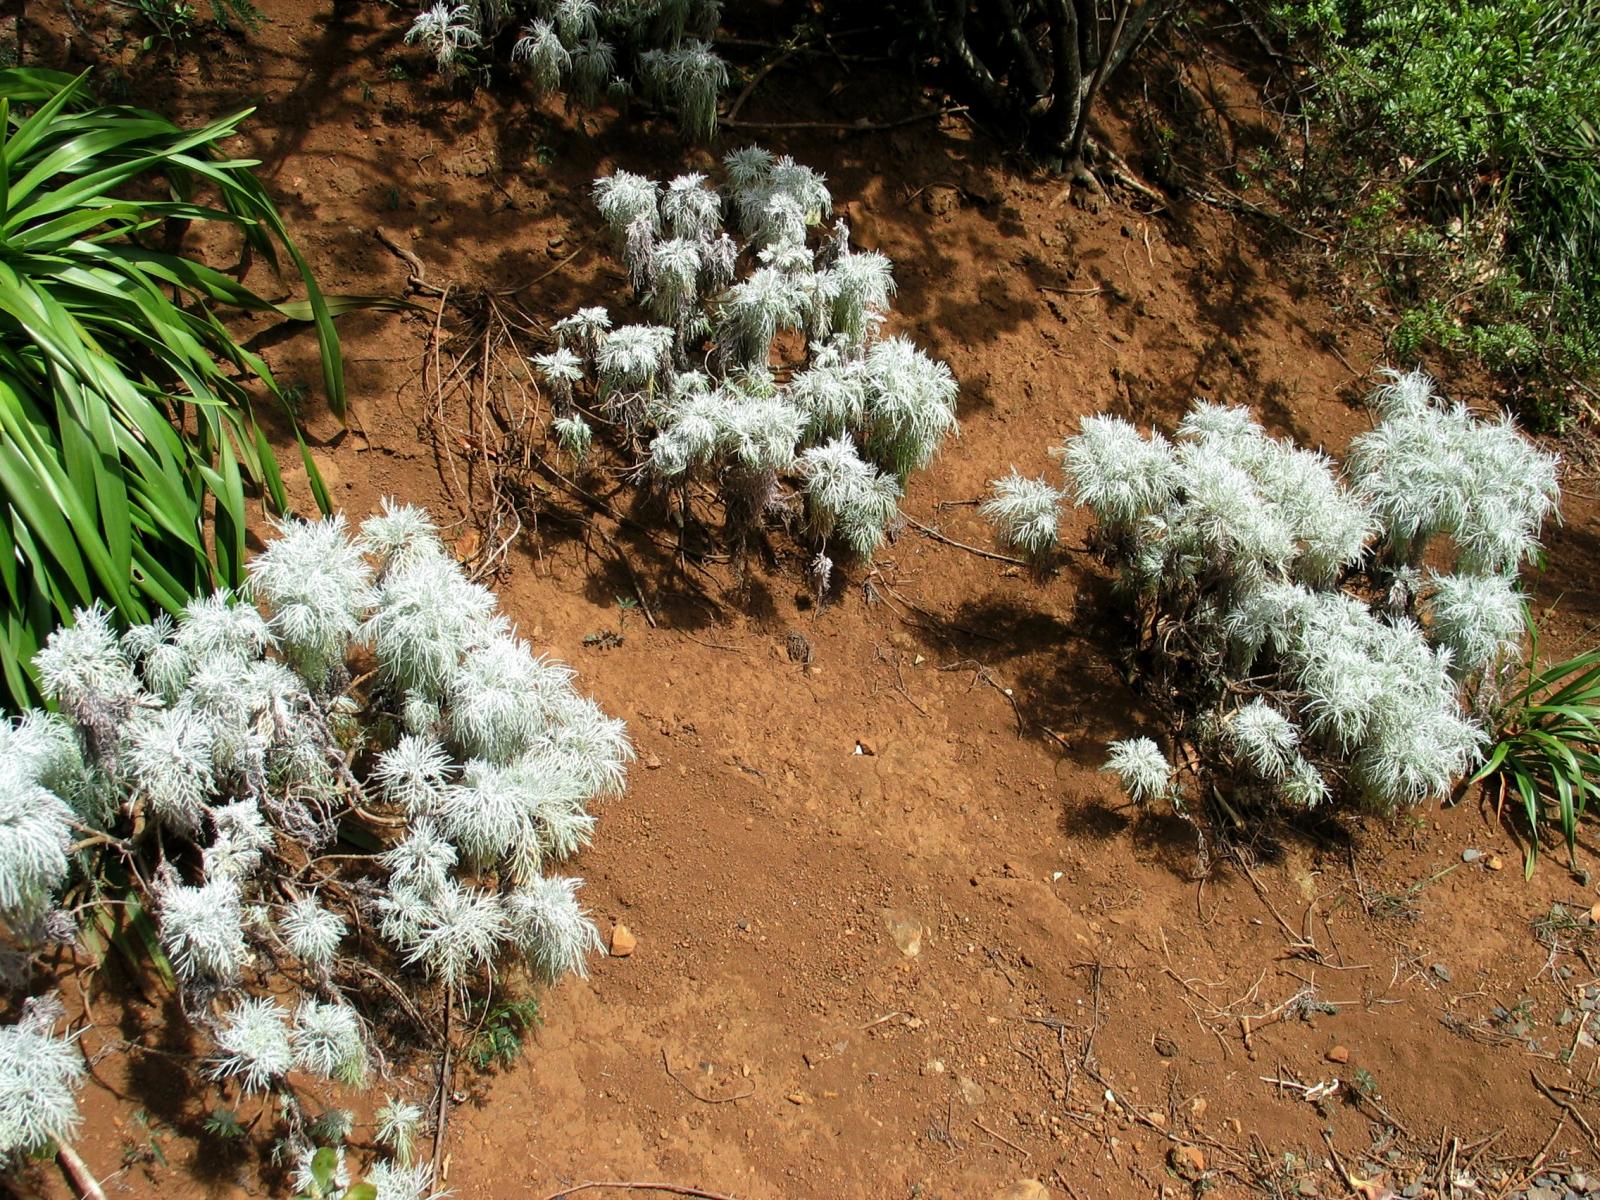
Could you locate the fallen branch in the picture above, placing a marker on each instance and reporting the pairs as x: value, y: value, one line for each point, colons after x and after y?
x: 1000, y: 1137
x: 862, y: 126
x: 443, y: 1111
x: 672, y: 1189
x: 638, y: 588
x: 1568, y: 1107
x: 78, y: 1172
x: 950, y: 541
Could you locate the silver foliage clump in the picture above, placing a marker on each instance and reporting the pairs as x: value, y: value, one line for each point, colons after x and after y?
x: 360, y: 688
x: 764, y: 372
x: 1026, y: 514
x: 1141, y: 768
x: 589, y: 49
x: 1337, y: 631
x: 39, y: 1075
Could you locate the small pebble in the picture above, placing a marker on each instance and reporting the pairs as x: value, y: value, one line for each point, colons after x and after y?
x: 1471, y: 856
x: 1565, y: 1018
x: 1442, y: 971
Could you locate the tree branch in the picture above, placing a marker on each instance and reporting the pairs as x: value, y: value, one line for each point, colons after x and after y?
x: 1067, y: 85
x: 951, y: 28
x: 1037, y: 80
x: 1080, y: 130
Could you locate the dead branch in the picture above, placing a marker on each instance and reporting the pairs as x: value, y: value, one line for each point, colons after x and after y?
x: 671, y: 1189
x: 75, y: 1169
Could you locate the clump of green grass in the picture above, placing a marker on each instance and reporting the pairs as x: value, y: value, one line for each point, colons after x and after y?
x: 1547, y: 752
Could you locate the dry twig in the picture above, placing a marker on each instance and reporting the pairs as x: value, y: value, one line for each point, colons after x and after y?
x: 673, y: 1075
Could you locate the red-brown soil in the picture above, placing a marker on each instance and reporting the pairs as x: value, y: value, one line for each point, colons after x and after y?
x: 1081, y: 1002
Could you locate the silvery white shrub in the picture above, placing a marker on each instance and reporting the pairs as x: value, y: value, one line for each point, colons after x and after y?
x: 445, y: 30
x: 398, y: 534
x: 314, y: 579
x: 574, y: 435
x: 560, y: 371
x: 911, y: 405
x: 43, y: 748
x: 221, y: 625
x: 692, y: 210
x: 311, y: 932
x: 167, y: 760
x: 1432, y: 468
x: 591, y: 49
x: 1478, y: 618
x: 688, y: 79
x: 82, y: 669
x: 1141, y: 768
x: 39, y: 1076
x: 624, y: 199
x: 848, y: 496
x: 763, y: 383
x: 326, y: 1041
x: 241, y: 838
x: 547, y: 923
x: 593, y: 62
x: 424, y: 616
x: 831, y: 393
x: 471, y: 760
x: 753, y: 312
x: 1262, y: 738
x: 398, y: 1181
x: 1265, y: 575
x: 202, y: 930
x: 674, y: 280
x: 548, y: 61
x: 1118, y: 475
x: 458, y: 931
x: 253, y: 1044
x: 397, y: 1122
x: 859, y: 288
x: 583, y: 330
x: 413, y: 774
x: 35, y: 831
x: 1027, y: 513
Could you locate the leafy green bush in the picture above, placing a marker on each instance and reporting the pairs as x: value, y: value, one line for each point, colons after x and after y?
x: 1312, y: 634
x: 1485, y: 118
x: 311, y: 857
x: 1547, y: 751
x: 125, y: 402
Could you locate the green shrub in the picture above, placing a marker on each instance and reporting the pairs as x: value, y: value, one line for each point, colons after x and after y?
x: 1547, y: 749
x: 1484, y: 118
x: 125, y: 402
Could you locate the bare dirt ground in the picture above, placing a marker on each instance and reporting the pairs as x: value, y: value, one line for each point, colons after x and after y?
x: 897, y: 936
